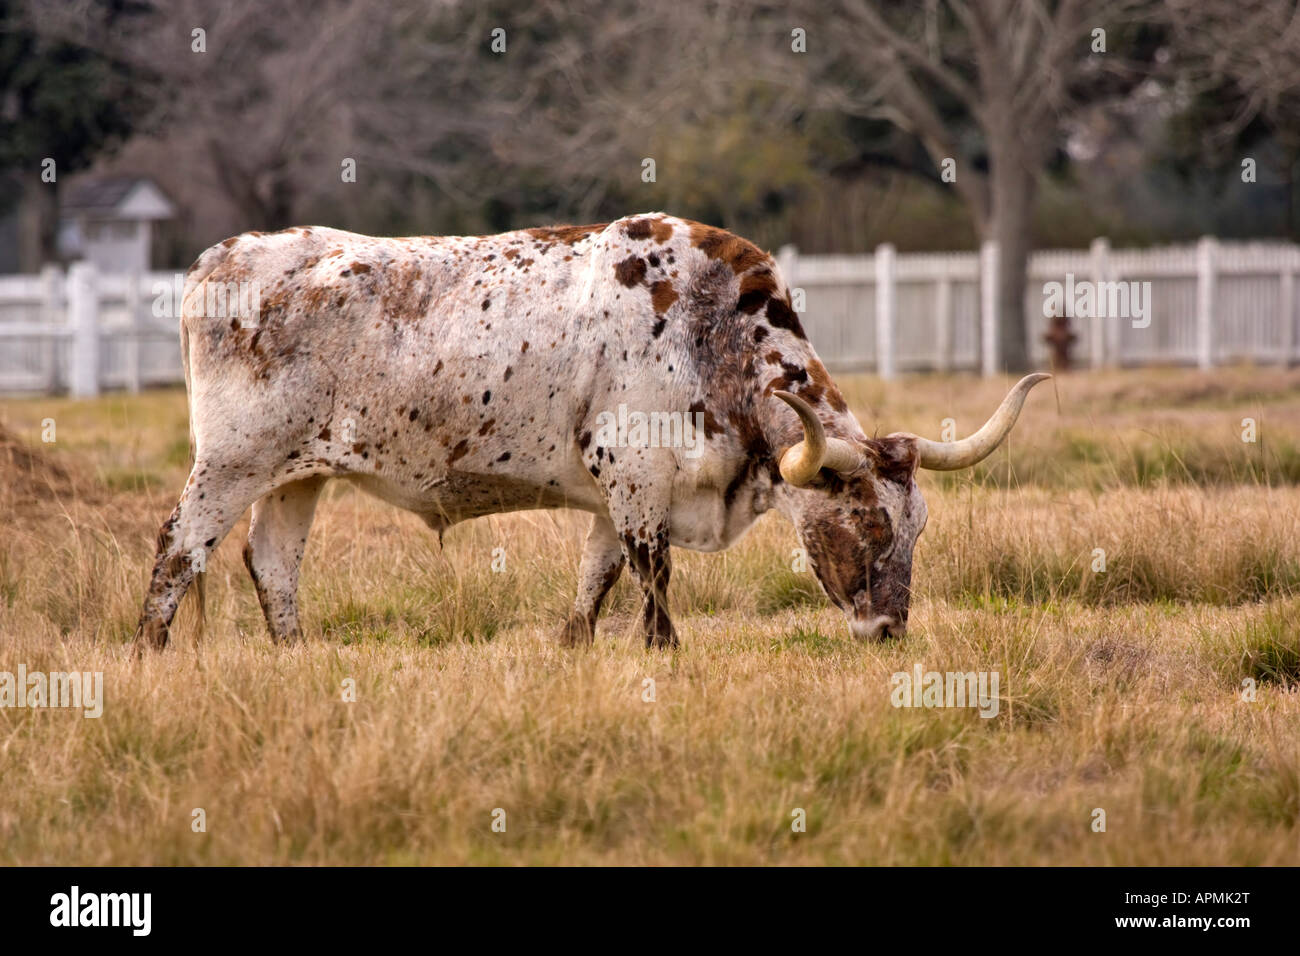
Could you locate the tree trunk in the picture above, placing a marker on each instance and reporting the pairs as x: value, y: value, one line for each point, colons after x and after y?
x: 266, y: 209
x: 1288, y: 183
x: 279, y: 205
x: 38, y: 225
x: 1010, y: 224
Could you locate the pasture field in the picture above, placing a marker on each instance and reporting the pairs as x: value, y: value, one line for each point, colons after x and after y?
x: 1120, y: 690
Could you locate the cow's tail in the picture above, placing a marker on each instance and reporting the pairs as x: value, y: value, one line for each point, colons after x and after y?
x: 195, y: 278
x: 200, y: 586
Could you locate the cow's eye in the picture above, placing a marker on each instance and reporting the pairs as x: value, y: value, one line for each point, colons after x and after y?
x: 886, y: 533
x: 885, y: 519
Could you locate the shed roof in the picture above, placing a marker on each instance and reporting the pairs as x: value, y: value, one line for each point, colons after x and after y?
x: 117, y: 197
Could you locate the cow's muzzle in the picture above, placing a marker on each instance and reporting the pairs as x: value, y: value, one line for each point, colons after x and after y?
x: 880, y: 627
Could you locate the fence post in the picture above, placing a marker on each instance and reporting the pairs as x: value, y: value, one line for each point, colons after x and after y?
x: 886, y: 308
x: 1099, y: 330
x: 1286, y: 306
x: 943, y: 330
x: 787, y: 259
x: 787, y: 263
x: 1205, y: 289
x: 133, y: 332
x: 83, y: 318
x: 51, y: 315
x: 989, y: 308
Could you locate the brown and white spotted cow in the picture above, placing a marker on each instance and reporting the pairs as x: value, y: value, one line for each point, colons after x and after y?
x: 463, y: 376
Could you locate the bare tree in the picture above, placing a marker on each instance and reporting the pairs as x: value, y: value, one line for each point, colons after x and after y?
x: 562, y: 111
x: 987, y: 85
x: 261, y: 98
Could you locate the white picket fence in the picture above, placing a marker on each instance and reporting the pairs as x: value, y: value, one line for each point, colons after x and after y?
x: 83, y: 332
x: 1210, y: 303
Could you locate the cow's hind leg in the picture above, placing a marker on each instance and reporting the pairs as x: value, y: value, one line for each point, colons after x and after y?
x: 277, y: 539
x: 602, y: 563
x: 209, y: 506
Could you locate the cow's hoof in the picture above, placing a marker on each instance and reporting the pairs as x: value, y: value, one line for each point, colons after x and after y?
x: 662, y: 638
x: 576, y: 632
x: 286, y: 638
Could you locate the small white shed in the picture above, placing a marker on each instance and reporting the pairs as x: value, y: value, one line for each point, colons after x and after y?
x: 109, y: 221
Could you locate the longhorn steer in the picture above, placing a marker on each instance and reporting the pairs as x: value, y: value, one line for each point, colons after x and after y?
x: 463, y: 376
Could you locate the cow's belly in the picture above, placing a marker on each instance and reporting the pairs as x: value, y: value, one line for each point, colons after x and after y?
x: 448, y: 499
x: 698, y: 521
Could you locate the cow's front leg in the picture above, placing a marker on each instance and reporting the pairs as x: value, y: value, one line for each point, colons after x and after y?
x: 647, y: 553
x: 640, y: 519
x: 602, y: 563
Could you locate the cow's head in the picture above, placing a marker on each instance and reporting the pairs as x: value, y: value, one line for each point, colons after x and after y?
x: 859, y: 512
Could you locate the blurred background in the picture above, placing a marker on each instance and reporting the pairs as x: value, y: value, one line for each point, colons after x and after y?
x: 135, y: 133
x: 1129, y: 560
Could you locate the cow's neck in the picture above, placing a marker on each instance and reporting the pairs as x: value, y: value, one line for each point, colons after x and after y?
x: 710, y: 517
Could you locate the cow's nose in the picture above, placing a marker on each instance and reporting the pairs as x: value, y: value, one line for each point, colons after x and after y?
x: 882, y: 627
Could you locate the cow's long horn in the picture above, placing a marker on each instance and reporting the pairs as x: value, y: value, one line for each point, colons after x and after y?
x: 951, y: 455
x: 800, y: 463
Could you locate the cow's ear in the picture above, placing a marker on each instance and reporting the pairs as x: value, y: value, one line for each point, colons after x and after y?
x: 894, y: 457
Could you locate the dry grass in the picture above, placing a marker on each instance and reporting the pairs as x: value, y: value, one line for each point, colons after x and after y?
x: 1118, y: 691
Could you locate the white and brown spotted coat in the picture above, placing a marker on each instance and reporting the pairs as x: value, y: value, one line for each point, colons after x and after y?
x: 463, y: 376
